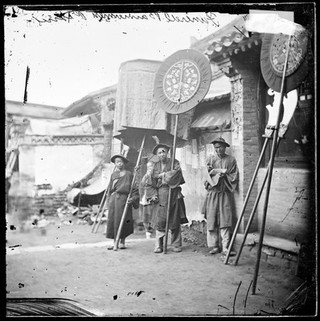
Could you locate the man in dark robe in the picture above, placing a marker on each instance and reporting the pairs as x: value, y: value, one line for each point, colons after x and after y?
x: 118, y: 193
x: 217, y: 208
x: 166, y: 179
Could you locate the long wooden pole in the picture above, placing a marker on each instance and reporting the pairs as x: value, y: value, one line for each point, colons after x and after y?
x: 129, y: 195
x: 252, y: 214
x: 172, y: 160
x: 272, y: 156
x: 103, y: 204
x: 246, y: 199
x: 101, y: 215
x: 169, y: 195
x: 99, y: 211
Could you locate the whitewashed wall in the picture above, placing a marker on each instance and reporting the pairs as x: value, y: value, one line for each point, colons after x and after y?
x: 62, y: 165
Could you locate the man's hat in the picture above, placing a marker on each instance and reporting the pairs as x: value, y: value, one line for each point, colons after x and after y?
x: 220, y: 140
x: 155, y: 148
x: 113, y: 158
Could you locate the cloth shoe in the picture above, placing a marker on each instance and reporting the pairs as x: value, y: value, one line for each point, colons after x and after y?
x: 215, y: 250
x: 158, y: 250
x: 176, y: 249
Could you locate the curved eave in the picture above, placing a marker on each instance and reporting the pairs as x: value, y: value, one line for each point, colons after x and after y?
x: 217, y: 99
x: 222, y: 51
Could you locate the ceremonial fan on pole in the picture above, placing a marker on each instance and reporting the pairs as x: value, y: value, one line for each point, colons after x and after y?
x: 181, y: 83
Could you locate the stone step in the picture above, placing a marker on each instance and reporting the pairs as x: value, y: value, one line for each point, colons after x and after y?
x: 271, y: 241
x: 275, y: 251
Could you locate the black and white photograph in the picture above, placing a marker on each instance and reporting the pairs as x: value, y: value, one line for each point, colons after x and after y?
x: 160, y: 160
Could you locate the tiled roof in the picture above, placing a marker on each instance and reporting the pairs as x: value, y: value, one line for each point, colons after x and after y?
x: 228, y: 40
x: 233, y: 45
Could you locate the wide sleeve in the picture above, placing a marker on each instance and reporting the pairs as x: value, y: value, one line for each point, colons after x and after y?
x: 231, y: 177
x: 211, y: 178
x: 174, y: 177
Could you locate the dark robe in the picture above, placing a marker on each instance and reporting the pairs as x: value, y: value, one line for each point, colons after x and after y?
x: 217, y: 207
x: 173, y: 178
x: 119, y: 188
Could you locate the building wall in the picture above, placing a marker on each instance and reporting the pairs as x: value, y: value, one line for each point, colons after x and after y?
x: 193, y: 189
x: 21, y: 192
x: 48, y: 202
x: 245, y: 136
x: 20, y: 197
x: 45, y: 171
x: 290, y: 212
x: 62, y: 165
x: 192, y: 158
x: 26, y: 161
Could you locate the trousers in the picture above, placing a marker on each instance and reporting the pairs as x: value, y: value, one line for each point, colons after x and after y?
x: 176, y: 240
x: 213, y: 237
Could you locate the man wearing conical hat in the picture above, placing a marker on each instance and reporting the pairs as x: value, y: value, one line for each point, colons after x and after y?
x: 217, y: 208
x: 117, y: 196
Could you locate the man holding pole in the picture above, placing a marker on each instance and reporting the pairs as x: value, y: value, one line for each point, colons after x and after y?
x: 118, y: 191
x: 217, y: 208
x: 168, y: 181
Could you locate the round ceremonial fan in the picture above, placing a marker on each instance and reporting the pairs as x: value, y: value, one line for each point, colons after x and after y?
x: 182, y: 81
x: 273, y: 55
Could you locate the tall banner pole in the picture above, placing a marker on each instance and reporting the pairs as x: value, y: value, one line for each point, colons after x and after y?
x: 172, y: 161
x: 129, y: 195
x: 103, y: 205
x: 101, y: 209
x: 252, y: 214
x: 181, y: 83
x: 271, y: 163
x: 169, y: 195
x: 246, y: 199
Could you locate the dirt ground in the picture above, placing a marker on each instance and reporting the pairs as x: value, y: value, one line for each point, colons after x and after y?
x: 69, y: 261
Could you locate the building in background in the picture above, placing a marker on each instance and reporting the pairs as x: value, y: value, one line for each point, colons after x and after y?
x: 99, y: 104
x: 291, y: 210
x: 45, y: 153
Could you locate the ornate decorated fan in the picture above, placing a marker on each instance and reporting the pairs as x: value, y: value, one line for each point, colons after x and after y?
x: 272, y: 59
x: 182, y: 81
